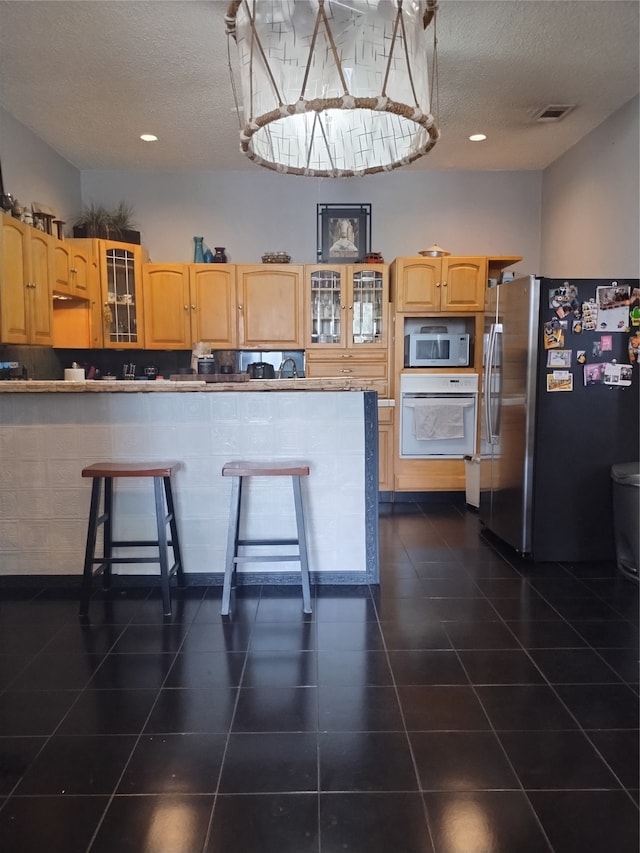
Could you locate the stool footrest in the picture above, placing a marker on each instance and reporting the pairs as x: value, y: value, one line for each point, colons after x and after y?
x: 268, y: 542
x: 268, y: 558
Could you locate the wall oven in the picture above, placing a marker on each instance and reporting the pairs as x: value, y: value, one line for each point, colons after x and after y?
x: 438, y: 415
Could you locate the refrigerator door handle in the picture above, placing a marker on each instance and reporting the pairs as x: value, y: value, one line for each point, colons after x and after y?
x: 492, y: 394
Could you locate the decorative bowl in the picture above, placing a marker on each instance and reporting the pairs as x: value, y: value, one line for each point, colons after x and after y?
x: 276, y: 258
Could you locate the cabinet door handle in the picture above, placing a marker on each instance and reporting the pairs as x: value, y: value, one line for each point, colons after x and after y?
x: 444, y: 283
x: 346, y: 356
x: 346, y: 370
x: 437, y: 284
x: 193, y: 307
x: 186, y: 307
x: 240, y: 307
x: 73, y: 269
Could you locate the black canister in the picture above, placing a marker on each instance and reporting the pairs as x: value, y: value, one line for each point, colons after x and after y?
x: 207, y: 364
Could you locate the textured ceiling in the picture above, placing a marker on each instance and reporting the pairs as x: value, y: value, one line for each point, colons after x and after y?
x: 90, y: 77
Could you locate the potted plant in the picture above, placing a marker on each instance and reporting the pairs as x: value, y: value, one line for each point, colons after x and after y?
x: 96, y: 220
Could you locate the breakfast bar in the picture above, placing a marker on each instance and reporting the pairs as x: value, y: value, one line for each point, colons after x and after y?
x: 49, y: 431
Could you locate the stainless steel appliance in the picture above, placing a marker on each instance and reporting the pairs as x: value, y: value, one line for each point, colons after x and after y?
x: 546, y: 454
x: 429, y: 349
x: 438, y: 415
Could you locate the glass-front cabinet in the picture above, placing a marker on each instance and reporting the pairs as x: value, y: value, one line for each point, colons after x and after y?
x: 121, y: 291
x: 347, y: 305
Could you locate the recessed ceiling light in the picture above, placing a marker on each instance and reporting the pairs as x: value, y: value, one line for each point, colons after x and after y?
x: 477, y: 137
x: 148, y: 137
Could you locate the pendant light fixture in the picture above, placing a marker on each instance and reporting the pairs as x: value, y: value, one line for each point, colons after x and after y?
x: 334, y: 89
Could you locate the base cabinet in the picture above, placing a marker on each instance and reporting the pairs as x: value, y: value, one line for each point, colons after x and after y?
x: 385, y: 448
x: 26, y: 284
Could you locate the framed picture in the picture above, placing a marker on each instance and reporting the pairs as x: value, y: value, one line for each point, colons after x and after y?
x: 344, y: 233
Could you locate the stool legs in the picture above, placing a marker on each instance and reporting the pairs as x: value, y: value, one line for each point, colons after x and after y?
x: 233, y: 542
x: 302, y: 542
x: 163, y: 496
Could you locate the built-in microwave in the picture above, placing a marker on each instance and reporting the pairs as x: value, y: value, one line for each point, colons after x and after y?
x: 431, y: 349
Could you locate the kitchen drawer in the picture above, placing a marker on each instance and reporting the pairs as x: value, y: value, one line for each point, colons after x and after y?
x: 346, y: 356
x: 385, y: 414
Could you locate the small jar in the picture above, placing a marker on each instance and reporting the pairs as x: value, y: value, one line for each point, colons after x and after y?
x: 220, y: 256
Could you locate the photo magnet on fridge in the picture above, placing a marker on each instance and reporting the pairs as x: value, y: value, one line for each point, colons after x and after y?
x: 560, y: 380
x: 553, y: 334
x: 581, y: 356
x: 589, y: 315
x: 634, y: 347
x: 606, y: 343
x: 617, y: 374
x: 559, y: 358
x: 593, y: 374
x: 613, y: 307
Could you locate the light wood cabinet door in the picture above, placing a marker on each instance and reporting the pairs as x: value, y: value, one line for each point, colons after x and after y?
x: 26, y: 281
x: 416, y: 284
x: 213, y: 304
x: 79, y: 273
x: 13, y: 282
x: 167, y: 308
x: 463, y: 284
x: 62, y: 267
x: 270, y: 307
x: 40, y: 295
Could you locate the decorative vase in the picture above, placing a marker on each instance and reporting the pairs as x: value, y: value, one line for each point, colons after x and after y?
x: 220, y: 256
x: 198, y: 256
x: 208, y: 256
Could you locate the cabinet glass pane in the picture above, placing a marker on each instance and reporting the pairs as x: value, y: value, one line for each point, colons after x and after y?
x: 121, y: 296
x: 367, y: 306
x: 325, y: 306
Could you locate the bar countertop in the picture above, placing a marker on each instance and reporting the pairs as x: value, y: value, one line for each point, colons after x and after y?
x: 159, y: 386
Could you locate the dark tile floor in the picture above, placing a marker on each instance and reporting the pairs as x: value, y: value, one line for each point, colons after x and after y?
x: 470, y: 704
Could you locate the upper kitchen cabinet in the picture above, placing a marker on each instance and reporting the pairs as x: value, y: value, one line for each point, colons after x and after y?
x: 346, y: 306
x: 270, y: 306
x: 450, y: 285
x: 26, y: 284
x: 71, y: 266
x: 120, y: 274
x: 184, y: 303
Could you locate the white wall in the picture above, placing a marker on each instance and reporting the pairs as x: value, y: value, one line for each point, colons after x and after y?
x: 590, y: 208
x: 255, y: 211
x: 32, y: 171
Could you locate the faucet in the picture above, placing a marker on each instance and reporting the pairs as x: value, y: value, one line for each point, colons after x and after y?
x: 294, y: 369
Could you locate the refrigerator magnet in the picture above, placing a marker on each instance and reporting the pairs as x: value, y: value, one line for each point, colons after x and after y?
x: 593, y: 374
x: 606, y: 343
x: 553, y: 334
x: 560, y: 380
x: 559, y: 358
x: 613, y: 307
x: 634, y: 347
x: 581, y: 356
x: 619, y: 375
x: 589, y: 315
x: 576, y: 327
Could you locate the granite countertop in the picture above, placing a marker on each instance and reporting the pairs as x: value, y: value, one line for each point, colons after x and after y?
x: 129, y: 387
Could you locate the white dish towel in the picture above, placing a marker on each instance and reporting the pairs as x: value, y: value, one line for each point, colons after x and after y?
x: 433, y: 421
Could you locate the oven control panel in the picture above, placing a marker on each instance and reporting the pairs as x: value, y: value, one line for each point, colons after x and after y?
x: 440, y: 383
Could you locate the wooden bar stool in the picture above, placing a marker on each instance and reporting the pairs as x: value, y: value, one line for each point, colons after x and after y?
x: 107, y: 472
x: 254, y: 468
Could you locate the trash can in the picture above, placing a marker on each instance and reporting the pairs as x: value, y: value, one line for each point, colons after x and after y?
x: 472, y: 480
x: 626, y: 516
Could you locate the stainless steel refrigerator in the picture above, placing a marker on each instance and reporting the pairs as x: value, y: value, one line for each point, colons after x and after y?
x: 559, y: 408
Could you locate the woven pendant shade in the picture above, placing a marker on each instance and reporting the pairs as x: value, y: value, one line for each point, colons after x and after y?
x: 333, y: 89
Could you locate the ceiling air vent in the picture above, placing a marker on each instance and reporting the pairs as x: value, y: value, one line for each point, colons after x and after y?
x: 553, y: 112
